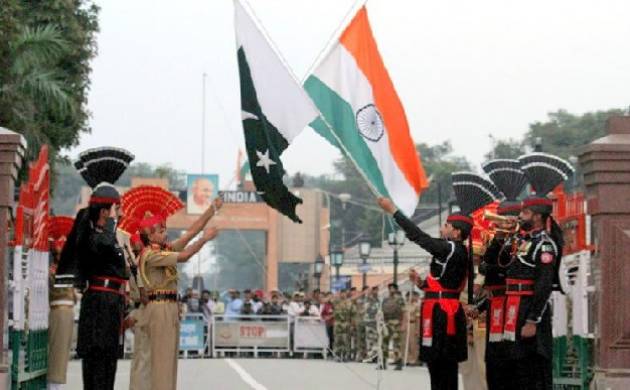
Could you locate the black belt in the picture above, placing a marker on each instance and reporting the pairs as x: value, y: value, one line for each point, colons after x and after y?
x: 519, y: 287
x: 170, y: 297
x: 441, y: 295
x: 110, y: 283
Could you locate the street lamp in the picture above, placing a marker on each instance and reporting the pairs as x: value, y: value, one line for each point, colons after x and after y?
x: 336, y: 259
x: 344, y: 198
x: 318, y: 269
x: 396, y: 240
x: 365, y: 247
x: 574, y: 161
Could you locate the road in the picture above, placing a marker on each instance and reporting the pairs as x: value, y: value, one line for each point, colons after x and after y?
x: 275, y: 374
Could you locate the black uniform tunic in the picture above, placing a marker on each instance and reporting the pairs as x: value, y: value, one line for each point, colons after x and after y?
x: 100, y: 321
x: 533, y: 260
x: 495, y: 283
x: 449, y: 266
x: 499, y: 364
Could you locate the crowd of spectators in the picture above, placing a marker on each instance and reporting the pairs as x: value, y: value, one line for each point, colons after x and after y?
x: 233, y: 304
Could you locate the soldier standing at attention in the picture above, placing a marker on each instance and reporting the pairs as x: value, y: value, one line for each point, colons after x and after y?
x: 411, y: 329
x: 372, y: 306
x: 359, y: 346
x: 95, y: 264
x: 62, y: 301
x: 393, y: 307
x: 343, y: 313
x: 532, y: 274
x: 443, y: 322
x: 158, y: 269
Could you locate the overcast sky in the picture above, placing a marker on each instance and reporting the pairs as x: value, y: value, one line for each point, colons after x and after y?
x: 462, y: 69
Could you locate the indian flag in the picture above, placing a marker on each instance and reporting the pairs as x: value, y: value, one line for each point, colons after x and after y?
x: 363, y: 116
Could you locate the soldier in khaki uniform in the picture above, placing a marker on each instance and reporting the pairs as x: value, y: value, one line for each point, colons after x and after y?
x: 411, y: 329
x: 158, y: 269
x: 61, y: 317
x: 140, y: 373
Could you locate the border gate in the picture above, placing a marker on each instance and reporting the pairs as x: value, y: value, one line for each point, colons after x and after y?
x: 28, y: 335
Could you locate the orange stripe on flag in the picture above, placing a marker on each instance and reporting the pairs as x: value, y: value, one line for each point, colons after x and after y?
x: 359, y: 41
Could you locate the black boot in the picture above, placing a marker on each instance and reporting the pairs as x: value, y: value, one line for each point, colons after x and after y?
x: 399, y: 366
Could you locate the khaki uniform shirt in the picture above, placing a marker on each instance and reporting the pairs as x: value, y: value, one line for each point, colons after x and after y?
x: 159, y: 269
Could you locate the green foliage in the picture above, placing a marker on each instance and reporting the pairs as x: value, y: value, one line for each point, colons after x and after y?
x: 361, y: 218
x: 45, y: 53
x: 68, y: 182
x: 565, y: 133
x: 439, y: 162
x: 506, y: 148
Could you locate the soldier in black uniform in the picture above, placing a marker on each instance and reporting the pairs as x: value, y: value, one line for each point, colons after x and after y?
x: 531, y: 272
x: 510, y: 180
x: 443, y: 322
x: 99, y: 268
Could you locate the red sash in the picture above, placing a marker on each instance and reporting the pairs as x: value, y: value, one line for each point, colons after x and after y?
x: 448, y: 305
x: 512, y: 306
x: 496, y: 314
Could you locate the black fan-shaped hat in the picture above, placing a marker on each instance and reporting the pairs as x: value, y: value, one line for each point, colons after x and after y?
x: 101, y: 168
x: 507, y: 176
x: 545, y: 171
x: 105, y: 164
x: 473, y: 191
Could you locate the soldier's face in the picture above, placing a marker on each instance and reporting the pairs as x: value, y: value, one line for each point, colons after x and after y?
x: 526, y: 218
x: 158, y: 236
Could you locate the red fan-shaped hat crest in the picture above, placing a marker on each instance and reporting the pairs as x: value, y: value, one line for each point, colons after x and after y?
x: 141, y: 201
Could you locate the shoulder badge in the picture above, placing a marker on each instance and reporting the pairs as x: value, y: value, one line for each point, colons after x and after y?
x: 547, y: 247
x: 546, y: 258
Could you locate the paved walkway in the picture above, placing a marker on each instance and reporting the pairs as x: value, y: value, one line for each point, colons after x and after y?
x: 275, y: 374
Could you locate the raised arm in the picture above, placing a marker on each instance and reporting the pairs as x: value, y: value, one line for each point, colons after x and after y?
x: 180, y: 243
x: 435, y: 246
x: 196, y: 246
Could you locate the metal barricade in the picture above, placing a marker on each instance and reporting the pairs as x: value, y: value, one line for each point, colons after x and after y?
x: 250, y: 333
x: 193, y: 335
x: 309, y: 336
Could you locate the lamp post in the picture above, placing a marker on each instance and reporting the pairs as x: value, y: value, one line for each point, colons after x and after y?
x: 336, y: 259
x: 365, y: 247
x: 344, y: 198
x: 318, y: 268
x: 396, y: 240
x: 574, y: 161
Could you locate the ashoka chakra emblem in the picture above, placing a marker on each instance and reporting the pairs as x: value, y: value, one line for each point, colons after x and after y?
x: 370, y: 123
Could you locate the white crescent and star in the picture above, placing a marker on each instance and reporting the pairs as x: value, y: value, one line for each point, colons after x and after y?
x: 264, y: 160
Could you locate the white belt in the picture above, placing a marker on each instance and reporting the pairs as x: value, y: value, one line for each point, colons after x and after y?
x: 62, y: 302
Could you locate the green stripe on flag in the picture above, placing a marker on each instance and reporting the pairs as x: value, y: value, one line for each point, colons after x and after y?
x: 340, y: 116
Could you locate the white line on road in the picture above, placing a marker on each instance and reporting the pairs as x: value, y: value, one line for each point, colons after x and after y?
x: 245, y: 375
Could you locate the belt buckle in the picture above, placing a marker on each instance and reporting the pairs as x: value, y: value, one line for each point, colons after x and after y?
x: 106, y: 283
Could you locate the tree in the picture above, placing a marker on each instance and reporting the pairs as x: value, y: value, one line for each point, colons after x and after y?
x: 45, y: 53
x: 360, y: 218
x: 505, y: 148
x: 68, y: 183
x: 439, y: 163
x: 565, y: 133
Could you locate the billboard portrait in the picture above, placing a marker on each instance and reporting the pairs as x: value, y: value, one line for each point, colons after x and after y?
x: 201, y: 189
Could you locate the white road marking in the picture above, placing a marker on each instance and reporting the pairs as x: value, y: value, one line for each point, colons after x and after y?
x: 245, y: 375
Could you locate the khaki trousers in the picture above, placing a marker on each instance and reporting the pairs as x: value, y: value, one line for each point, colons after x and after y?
x: 141, y: 363
x: 60, y: 326
x: 163, y: 331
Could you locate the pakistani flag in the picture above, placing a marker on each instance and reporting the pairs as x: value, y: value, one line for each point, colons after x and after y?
x: 275, y: 109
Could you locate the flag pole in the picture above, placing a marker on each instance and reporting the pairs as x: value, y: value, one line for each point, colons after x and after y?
x: 333, y: 37
x: 273, y: 46
x: 203, y: 123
